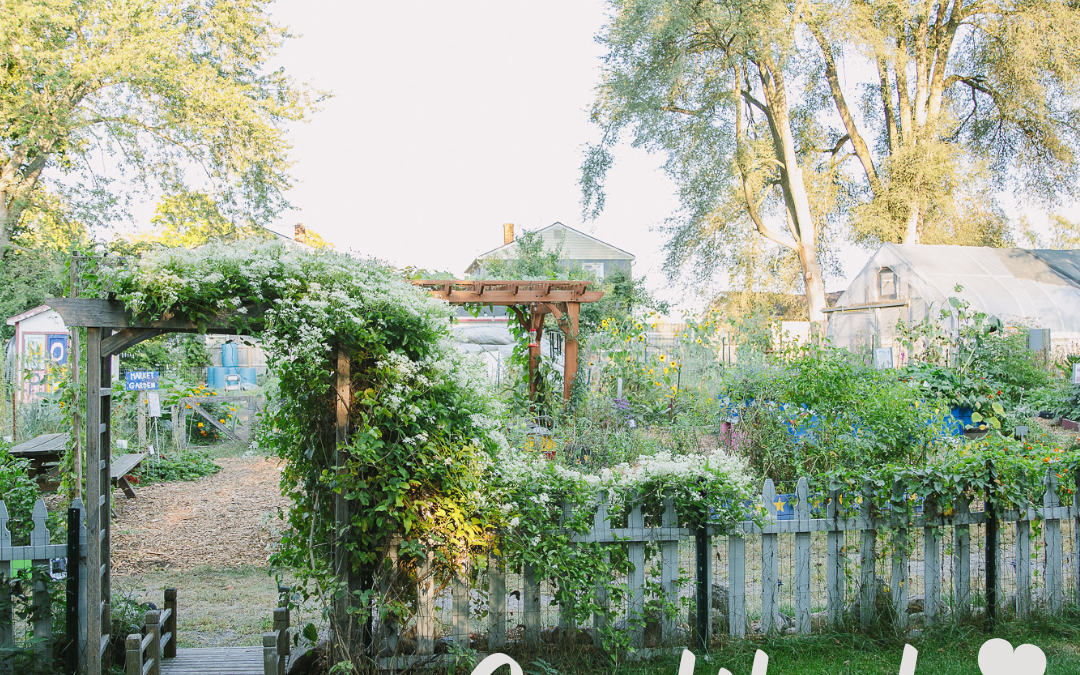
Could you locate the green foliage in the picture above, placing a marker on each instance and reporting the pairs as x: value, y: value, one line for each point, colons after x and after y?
x: 419, y: 443
x: 148, y: 82
x: 174, y: 351
x: 821, y: 408
x: 177, y: 465
x: 18, y: 492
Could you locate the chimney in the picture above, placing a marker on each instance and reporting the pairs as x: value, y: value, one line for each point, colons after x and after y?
x: 300, y: 233
x: 508, y: 233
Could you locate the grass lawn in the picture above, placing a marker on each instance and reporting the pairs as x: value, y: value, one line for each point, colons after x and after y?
x: 953, y: 651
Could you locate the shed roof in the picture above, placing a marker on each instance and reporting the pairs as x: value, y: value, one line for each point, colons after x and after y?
x: 1039, y: 287
x: 576, y: 245
x: 28, y: 314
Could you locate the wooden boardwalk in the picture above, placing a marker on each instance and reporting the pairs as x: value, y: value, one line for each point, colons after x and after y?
x: 215, y: 661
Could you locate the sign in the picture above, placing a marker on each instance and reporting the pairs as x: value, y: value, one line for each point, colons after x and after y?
x: 141, y: 380
x: 883, y: 359
x: 1076, y: 373
x: 153, y: 404
x: 58, y: 349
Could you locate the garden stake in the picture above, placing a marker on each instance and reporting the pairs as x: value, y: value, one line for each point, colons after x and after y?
x: 71, y: 596
x: 701, y: 548
x: 991, y: 553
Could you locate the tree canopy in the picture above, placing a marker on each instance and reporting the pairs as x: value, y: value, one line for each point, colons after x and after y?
x: 875, y: 119
x: 172, y: 96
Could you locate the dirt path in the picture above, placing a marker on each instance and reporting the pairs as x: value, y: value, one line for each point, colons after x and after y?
x: 227, y: 520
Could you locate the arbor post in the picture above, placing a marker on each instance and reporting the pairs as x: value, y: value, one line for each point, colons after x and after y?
x: 570, y: 362
x: 346, y: 622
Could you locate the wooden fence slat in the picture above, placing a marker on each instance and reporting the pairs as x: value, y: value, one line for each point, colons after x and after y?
x: 1023, y: 567
x: 962, y: 560
x: 834, y: 563
x: 1076, y: 534
x: 601, y: 526
x: 669, y: 569
x: 496, y: 602
x: 460, y: 606
x: 867, y: 561
x: 899, y: 580
x: 1052, y: 533
x: 531, y: 606
x: 736, y: 586
x: 636, y: 577
x: 7, y: 613
x: 931, y: 567
x: 566, y: 607
x: 802, y: 560
x: 425, y: 606
x: 770, y: 565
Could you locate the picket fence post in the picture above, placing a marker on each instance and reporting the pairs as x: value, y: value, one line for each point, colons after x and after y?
x: 770, y: 565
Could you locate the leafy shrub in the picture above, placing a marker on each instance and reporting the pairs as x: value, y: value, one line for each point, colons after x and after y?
x: 19, y: 492
x: 178, y: 465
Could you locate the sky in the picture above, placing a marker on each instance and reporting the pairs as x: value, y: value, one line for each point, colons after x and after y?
x: 448, y: 120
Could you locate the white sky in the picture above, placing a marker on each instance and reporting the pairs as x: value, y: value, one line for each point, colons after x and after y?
x: 449, y: 119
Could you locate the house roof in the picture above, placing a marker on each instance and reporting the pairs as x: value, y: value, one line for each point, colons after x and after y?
x: 1038, y: 287
x: 576, y: 245
x: 30, y: 313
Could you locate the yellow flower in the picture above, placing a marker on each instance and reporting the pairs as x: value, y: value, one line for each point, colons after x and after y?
x: 662, y: 357
x: 222, y: 420
x: 200, y: 425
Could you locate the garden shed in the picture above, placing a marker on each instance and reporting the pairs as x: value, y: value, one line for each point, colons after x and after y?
x: 40, y: 337
x: 1028, y: 288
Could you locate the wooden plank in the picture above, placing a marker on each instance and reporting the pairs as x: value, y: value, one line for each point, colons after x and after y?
x: 531, y: 606
x: 867, y: 563
x: 125, y: 464
x: 1023, y: 568
x: 962, y: 561
x: 1052, y: 533
x: 7, y: 614
x: 1076, y: 534
x: 802, y: 561
x: 600, y: 525
x: 834, y: 563
x: 95, y: 489
x: 460, y: 606
x: 127, y: 338
x: 44, y: 444
x: 669, y: 571
x: 931, y: 569
x: 521, y: 297
x: 425, y: 606
x: 496, y: 602
x: 770, y: 566
x: 94, y: 312
x: 736, y: 586
x: 636, y: 577
x: 899, y: 580
x: 213, y: 420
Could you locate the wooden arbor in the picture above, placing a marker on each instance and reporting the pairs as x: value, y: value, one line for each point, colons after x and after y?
x: 110, y: 329
x: 530, y: 301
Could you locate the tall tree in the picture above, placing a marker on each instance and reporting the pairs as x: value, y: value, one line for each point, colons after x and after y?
x: 174, y: 94
x: 961, y: 89
x: 714, y: 85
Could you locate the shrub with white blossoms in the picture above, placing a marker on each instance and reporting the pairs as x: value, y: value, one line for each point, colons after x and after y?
x: 420, y: 437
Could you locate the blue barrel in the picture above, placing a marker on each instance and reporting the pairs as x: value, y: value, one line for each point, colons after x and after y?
x: 248, y: 377
x: 230, y: 355
x: 215, y: 377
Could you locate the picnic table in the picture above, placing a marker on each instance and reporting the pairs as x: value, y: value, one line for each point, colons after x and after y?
x: 121, y: 466
x: 44, y: 453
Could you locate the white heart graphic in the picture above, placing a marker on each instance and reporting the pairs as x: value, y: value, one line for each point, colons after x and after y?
x: 997, y: 657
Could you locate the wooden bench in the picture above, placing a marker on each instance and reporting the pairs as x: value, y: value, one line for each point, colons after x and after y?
x: 44, y: 453
x: 122, y: 465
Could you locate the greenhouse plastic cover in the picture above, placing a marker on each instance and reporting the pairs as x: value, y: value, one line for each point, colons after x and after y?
x: 1035, y: 288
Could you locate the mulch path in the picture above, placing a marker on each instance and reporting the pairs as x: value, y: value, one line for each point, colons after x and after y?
x: 225, y: 520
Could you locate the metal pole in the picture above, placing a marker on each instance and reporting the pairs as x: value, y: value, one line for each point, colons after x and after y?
x: 991, y: 555
x: 701, y: 546
x: 71, y: 597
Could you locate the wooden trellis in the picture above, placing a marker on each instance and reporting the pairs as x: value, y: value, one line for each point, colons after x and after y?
x: 110, y: 329
x: 530, y: 301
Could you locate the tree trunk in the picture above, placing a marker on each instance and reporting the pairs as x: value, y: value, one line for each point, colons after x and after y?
x: 911, y: 233
x: 8, y: 218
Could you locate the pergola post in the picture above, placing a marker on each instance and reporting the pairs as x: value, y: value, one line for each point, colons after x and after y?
x: 98, y: 493
x: 570, y: 360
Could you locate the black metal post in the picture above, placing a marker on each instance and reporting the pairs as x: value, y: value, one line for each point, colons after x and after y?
x: 991, y: 555
x: 701, y: 546
x: 71, y: 597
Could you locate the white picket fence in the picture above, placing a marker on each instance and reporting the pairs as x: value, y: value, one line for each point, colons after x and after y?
x: 863, y: 554
x: 39, y: 552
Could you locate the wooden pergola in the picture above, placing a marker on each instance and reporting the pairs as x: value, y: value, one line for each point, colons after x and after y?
x: 530, y: 301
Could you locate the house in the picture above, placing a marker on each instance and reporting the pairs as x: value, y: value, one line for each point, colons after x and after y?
x: 577, y: 248
x: 41, y: 339
x: 1024, y: 288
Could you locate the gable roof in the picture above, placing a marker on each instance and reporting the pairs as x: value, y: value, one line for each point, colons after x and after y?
x: 30, y: 313
x: 576, y: 245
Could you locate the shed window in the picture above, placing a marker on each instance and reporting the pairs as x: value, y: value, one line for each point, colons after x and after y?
x: 888, y: 283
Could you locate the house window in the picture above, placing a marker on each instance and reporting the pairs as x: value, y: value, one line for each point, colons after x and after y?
x: 888, y: 284
x: 596, y: 269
